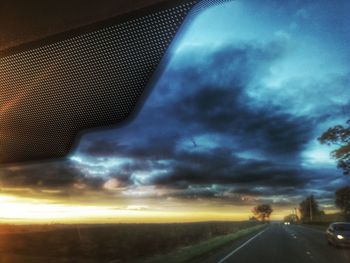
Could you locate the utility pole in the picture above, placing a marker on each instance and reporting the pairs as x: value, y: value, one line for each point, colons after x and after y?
x: 310, y: 209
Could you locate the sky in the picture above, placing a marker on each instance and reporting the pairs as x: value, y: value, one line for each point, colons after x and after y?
x: 231, y: 121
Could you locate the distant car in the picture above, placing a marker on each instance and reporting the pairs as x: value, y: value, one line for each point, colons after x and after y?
x: 338, y: 234
x: 287, y: 223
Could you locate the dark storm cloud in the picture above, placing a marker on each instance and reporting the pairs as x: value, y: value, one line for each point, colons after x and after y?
x: 218, y: 101
x: 211, y: 98
x: 206, y: 92
x: 219, y: 166
x: 160, y: 146
x: 105, y: 148
x: 55, y: 175
x: 209, y: 193
x: 267, y: 191
x: 124, y: 173
x: 224, y: 106
x: 222, y: 110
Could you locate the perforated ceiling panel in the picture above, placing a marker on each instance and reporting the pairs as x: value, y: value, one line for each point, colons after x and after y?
x: 52, y: 89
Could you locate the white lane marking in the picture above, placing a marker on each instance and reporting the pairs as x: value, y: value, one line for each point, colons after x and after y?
x: 241, y: 246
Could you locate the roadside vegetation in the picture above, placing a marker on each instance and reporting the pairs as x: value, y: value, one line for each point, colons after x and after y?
x: 191, y: 253
x: 116, y: 242
x: 339, y: 136
x: 309, y: 211
x: 262, y: 212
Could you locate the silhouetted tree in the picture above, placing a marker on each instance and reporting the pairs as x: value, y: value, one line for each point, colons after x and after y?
x: 309, y: 209
x: 339, y: 135
x: 342, y: 200
x: 262, y: 212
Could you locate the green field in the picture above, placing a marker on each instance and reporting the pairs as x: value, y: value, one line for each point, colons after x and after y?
x: 197, y: 251
x: 117, y: 242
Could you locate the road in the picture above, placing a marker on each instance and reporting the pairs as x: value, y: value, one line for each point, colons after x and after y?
x: 281, y: 243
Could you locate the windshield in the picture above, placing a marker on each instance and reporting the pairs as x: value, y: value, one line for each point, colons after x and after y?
x: 342, y: 227
x: 239, y: 150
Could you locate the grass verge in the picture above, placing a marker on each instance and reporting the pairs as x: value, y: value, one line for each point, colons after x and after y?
x: 186, y: 254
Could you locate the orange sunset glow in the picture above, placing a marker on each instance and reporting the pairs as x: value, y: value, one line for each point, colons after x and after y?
x: 25, y: 210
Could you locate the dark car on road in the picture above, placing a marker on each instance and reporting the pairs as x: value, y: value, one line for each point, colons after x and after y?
x: 338, y: 234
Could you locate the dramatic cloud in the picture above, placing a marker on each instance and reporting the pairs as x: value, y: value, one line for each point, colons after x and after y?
x: 57, y: 178
x: 202, y: 126
x: 233, y: 118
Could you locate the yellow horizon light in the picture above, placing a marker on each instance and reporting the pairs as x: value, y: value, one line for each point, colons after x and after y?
x: 19, y: 210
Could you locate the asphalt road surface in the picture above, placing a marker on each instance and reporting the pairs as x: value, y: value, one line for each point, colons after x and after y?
x: 282, y: 244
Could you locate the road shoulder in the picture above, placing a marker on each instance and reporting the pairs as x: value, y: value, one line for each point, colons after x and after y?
x: 206, y: 248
